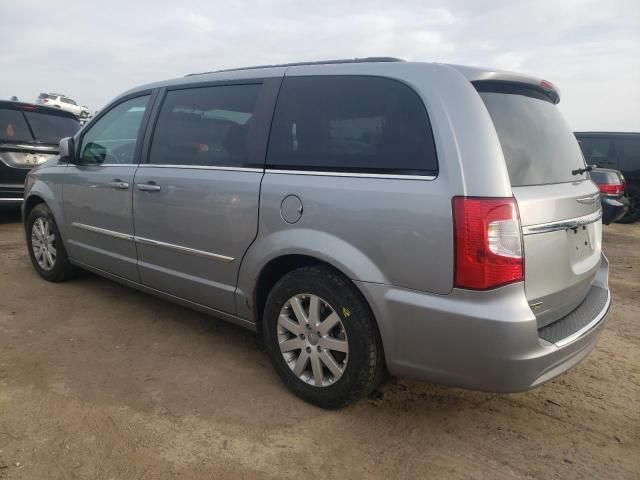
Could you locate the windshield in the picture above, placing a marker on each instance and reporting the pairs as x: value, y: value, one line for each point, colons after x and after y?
x: 51, y: 128
x: 537, y: 143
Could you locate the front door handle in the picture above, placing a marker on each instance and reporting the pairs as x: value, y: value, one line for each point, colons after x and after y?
x: 148, y: 187
x: 119, y: 185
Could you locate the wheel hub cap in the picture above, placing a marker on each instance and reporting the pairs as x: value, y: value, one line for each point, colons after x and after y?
x: 313, y: 340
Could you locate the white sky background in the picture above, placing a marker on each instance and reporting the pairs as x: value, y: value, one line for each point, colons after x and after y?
x: 92, y: 51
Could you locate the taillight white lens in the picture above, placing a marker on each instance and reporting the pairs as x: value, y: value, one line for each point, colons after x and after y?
x: 504, y: 238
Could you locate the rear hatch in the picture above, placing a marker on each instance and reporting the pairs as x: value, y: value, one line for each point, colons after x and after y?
x: 29, y: 135
x: 559, y: 206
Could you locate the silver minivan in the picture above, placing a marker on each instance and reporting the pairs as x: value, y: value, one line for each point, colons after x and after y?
x: 364, y: 216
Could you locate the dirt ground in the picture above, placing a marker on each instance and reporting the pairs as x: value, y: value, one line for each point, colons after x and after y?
x: 98, y: 381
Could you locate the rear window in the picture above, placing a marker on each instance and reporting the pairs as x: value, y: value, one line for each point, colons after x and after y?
x: 597, y: 150
x: 51, y: 128
x: 629, y: 151
x: 351, y: 124
x: 13, y: 127
x: 537, y: 143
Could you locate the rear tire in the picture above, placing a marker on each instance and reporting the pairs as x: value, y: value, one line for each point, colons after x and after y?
x: 46, y: 250
x: 633, y: 214
x: 313, y: 363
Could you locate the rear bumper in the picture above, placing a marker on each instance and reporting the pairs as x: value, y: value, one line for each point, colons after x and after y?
x: 481, y: 340
x: 613, y: 208
x: 11, y: 184
x: 11, y: 194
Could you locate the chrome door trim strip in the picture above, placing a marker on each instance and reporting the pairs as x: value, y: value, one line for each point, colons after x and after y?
x: 592, y: 324
x: 563, y: 224
x: 40, y: 148
x: 104, y: 164
x: 15, y: 199
x: 155, y: 243
x: 187, y: 250
x: 103, y: 231
x: 202, y: 167
x: 351, y: 174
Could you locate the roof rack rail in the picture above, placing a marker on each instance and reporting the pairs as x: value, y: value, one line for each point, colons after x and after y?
x: 297, y: 64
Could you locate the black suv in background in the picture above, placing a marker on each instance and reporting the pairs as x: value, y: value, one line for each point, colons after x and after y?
x: 29, y: 136
x: 620, y: 151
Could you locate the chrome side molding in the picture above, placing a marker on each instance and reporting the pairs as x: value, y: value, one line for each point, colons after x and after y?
x: 563, y: 224
x: 181, y: 249
x: 103, y: 231
x: 155, y: 243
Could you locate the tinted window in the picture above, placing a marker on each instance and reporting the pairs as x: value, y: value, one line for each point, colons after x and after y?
x: 112, y: 139
x: 629, y: 151
x: 206, y: 126
x: 13, y: 127
x: 353, y: 124
x: 67, y: 100
x: 51, y: 128
x: 597, y: 150
x: 537, y: 143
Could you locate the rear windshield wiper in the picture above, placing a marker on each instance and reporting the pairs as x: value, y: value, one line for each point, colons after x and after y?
x: 580, y: 171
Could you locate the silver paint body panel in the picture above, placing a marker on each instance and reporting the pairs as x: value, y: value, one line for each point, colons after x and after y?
x: 90, y: 199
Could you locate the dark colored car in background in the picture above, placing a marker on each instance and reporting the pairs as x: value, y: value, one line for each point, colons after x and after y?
x: 620, y: 151
x: 29, y: 136
x: 611, y: 184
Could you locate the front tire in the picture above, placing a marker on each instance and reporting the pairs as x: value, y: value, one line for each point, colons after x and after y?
x: 46, y: 250
x: 322, y: 338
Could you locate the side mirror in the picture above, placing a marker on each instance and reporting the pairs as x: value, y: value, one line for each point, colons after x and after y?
x: 94, y: 154
x: 67, y: 150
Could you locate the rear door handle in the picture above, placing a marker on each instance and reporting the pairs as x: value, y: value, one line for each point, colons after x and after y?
x: 148, y: 187
x: 119, y: 185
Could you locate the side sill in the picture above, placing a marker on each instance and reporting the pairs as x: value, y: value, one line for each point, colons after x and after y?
x: 227, y: 317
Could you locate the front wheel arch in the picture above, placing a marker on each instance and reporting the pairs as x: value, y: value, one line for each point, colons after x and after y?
x: 29, y: 204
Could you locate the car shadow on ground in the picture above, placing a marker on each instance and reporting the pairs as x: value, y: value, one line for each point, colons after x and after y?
x: 9, y: 215
x: 199, y: 344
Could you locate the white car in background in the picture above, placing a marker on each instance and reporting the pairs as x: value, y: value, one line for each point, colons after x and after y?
x: 63, y: 102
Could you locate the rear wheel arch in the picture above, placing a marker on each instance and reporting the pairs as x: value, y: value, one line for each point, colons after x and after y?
x: 280, y: 266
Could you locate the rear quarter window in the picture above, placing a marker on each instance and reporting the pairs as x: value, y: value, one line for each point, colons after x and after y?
x: 351, y: 124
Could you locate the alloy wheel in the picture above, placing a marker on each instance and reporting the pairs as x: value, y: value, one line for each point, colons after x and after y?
x: 43, y: 243
x: 313, y: 340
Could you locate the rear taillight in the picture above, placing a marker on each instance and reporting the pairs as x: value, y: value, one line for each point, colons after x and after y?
x: 611, y: 188
x: 44, y: 100
x: 488, y: 242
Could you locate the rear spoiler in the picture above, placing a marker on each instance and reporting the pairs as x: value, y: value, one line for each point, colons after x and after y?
x: 478, y: 75
x: 543, y: 92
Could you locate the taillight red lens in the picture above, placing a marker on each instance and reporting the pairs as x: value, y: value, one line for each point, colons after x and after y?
x: 488, y: 242
x: 611, y: 188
